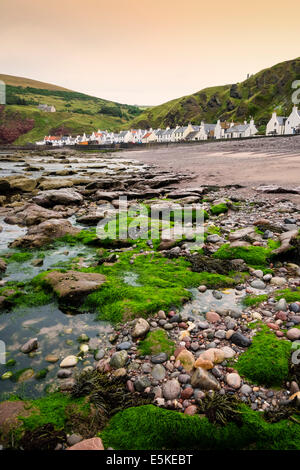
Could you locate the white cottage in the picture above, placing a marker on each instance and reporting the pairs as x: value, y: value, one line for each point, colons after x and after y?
x: 241, y: 130
x: 276, y: 125
x: 292, y: 124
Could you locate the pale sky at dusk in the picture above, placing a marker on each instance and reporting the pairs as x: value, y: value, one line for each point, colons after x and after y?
x: 142, y: 52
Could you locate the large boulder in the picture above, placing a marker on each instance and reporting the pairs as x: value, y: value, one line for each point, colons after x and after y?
x: 55, y: 183
x: 16, y: 184
x: 285, y: 239
x: 71, y: 286
x: 32, y: 214
x: 55, y: 197
x: 45, y: 232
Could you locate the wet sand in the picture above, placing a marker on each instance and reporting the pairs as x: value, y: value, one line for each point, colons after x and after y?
x: 249, y: 163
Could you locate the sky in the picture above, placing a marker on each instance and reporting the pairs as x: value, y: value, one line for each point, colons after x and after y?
x: 142, y: 52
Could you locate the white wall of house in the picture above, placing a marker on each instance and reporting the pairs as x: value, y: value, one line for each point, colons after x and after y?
x: 275, y: 126
x: 292, y: 123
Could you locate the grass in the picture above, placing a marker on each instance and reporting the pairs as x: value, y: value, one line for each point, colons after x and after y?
x: 20, y: 257
x: 266, y: 361
x: 26, y: 294
x: 152, y: 428
x: 156, y: 341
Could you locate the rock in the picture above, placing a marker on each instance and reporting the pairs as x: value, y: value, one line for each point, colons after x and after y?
x: 187, y: 359
x: 293, y: 334
x: 159, y: 358
x: 74, y: 439
x: 202, y: 289
x: 44, y: 233
x: 294, y: 307
x: 212, y: 317
x: 285, y: 241
x: 215, y: 238
x: 246, y: 389
x: 30, y: 346
x: 71, y: 286
x: 248, y: 232
x: 228, y: 352
x: 99, y: 354
x: 191, y: 410
x: 3, y: 265
x: 141, y: 383
x: 204, y: 380
x: 27, y: 374
x: 16, y: 184
x: 281, y: 305
x: 119, y: 359
x: 33, y: 214
x: 214, y: 355
x: 88, y: 444
x: 67, y: 385
x: 124, y: 346
x: 63, y: 197
x: 233, y: 380
x: 187, y: 393
x: 158, y: 372
x: 258, y: 273
x: 278, y: 281
x: 141, y: 327
x: 69, y: 361
x: 204, y: 363
x: 258, y: 284
x: 171, y: 389
x: 220, y: 334
x: 240, y: 340
x: 52, y: 358
x: 64, y: 373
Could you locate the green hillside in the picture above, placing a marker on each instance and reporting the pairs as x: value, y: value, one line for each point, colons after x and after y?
x: 75, y: 112
x: 257, y: 96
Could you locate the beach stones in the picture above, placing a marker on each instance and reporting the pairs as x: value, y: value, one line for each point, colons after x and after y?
x: 69, y: 361
x: 159, y: 358
x: 30, y: 346
x: 187, y: 359
x: 141, y: 327
x: 240, y: 340
x: 204, y: 380
x: 119, y: 359
x: 293, y: 334
x: 171, y: 389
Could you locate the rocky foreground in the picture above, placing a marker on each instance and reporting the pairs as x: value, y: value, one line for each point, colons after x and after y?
x: 208, y: 332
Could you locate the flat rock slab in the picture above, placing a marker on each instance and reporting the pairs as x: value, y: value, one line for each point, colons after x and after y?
x: 72, y: 285
x: 88, y: 444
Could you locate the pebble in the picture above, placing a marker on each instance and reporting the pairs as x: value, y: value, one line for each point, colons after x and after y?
x: 171, y: 389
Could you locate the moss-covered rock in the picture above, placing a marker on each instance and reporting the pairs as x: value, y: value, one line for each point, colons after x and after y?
x: 156, y: 342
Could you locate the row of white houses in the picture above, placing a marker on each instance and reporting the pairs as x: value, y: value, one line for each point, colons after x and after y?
x: 279, y: 125
x: 221, y: 130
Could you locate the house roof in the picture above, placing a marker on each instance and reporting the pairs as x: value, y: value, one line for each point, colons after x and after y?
x: 191, y: 135
x: 281, y: 120
x: 237, y: 128
x: 147, y: 135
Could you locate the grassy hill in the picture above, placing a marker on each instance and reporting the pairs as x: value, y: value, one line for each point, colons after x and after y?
x: 76, y: 112
x: 257, y: 96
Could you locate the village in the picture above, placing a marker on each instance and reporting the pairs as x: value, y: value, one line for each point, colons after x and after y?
x: 277, y: 125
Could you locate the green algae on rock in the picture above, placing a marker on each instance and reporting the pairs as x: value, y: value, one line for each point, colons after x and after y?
x: 156, y: 342
x: 266, y: 361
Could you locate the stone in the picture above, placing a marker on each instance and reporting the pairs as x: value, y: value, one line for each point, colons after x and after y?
x: 258, y: 273
x: 240, y: 340
x: 158, y: 372
x: 27, y: 374
x: 233, y: 380
x: 220, y: 334
x: 63, y: 197
x: 44, y: 233
x: 3, y: 265
x: 246, y: 389
x: 228, y: 352
x: 159, y: 358
x: 187, y: 359
x: 187, y: 393
x: 71, y: 286
x: 278, y: 281
x: 281, y: 305
x: 294, y: 307
x: 214, y: 355
x: 74, y: 439
x: 202, y: 288
x: 99, y: 354
x: 52, y: 358
x: 124, y: 346
x: 204, y: 380
x: 285, y: 241
x: 191, y: 410
x: 293, y: 334
x: 171, y: 389
x: 141, y: 327
x: 64, y: 373
x: 212, y: 317
x: 119, y: 359
x: 141, y: 383
x: 204, y: 363
x: 30, y: 346
x: 94, y: 443
x: 33, y: 214
x: 258, y: 284
x: 69, y: 361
